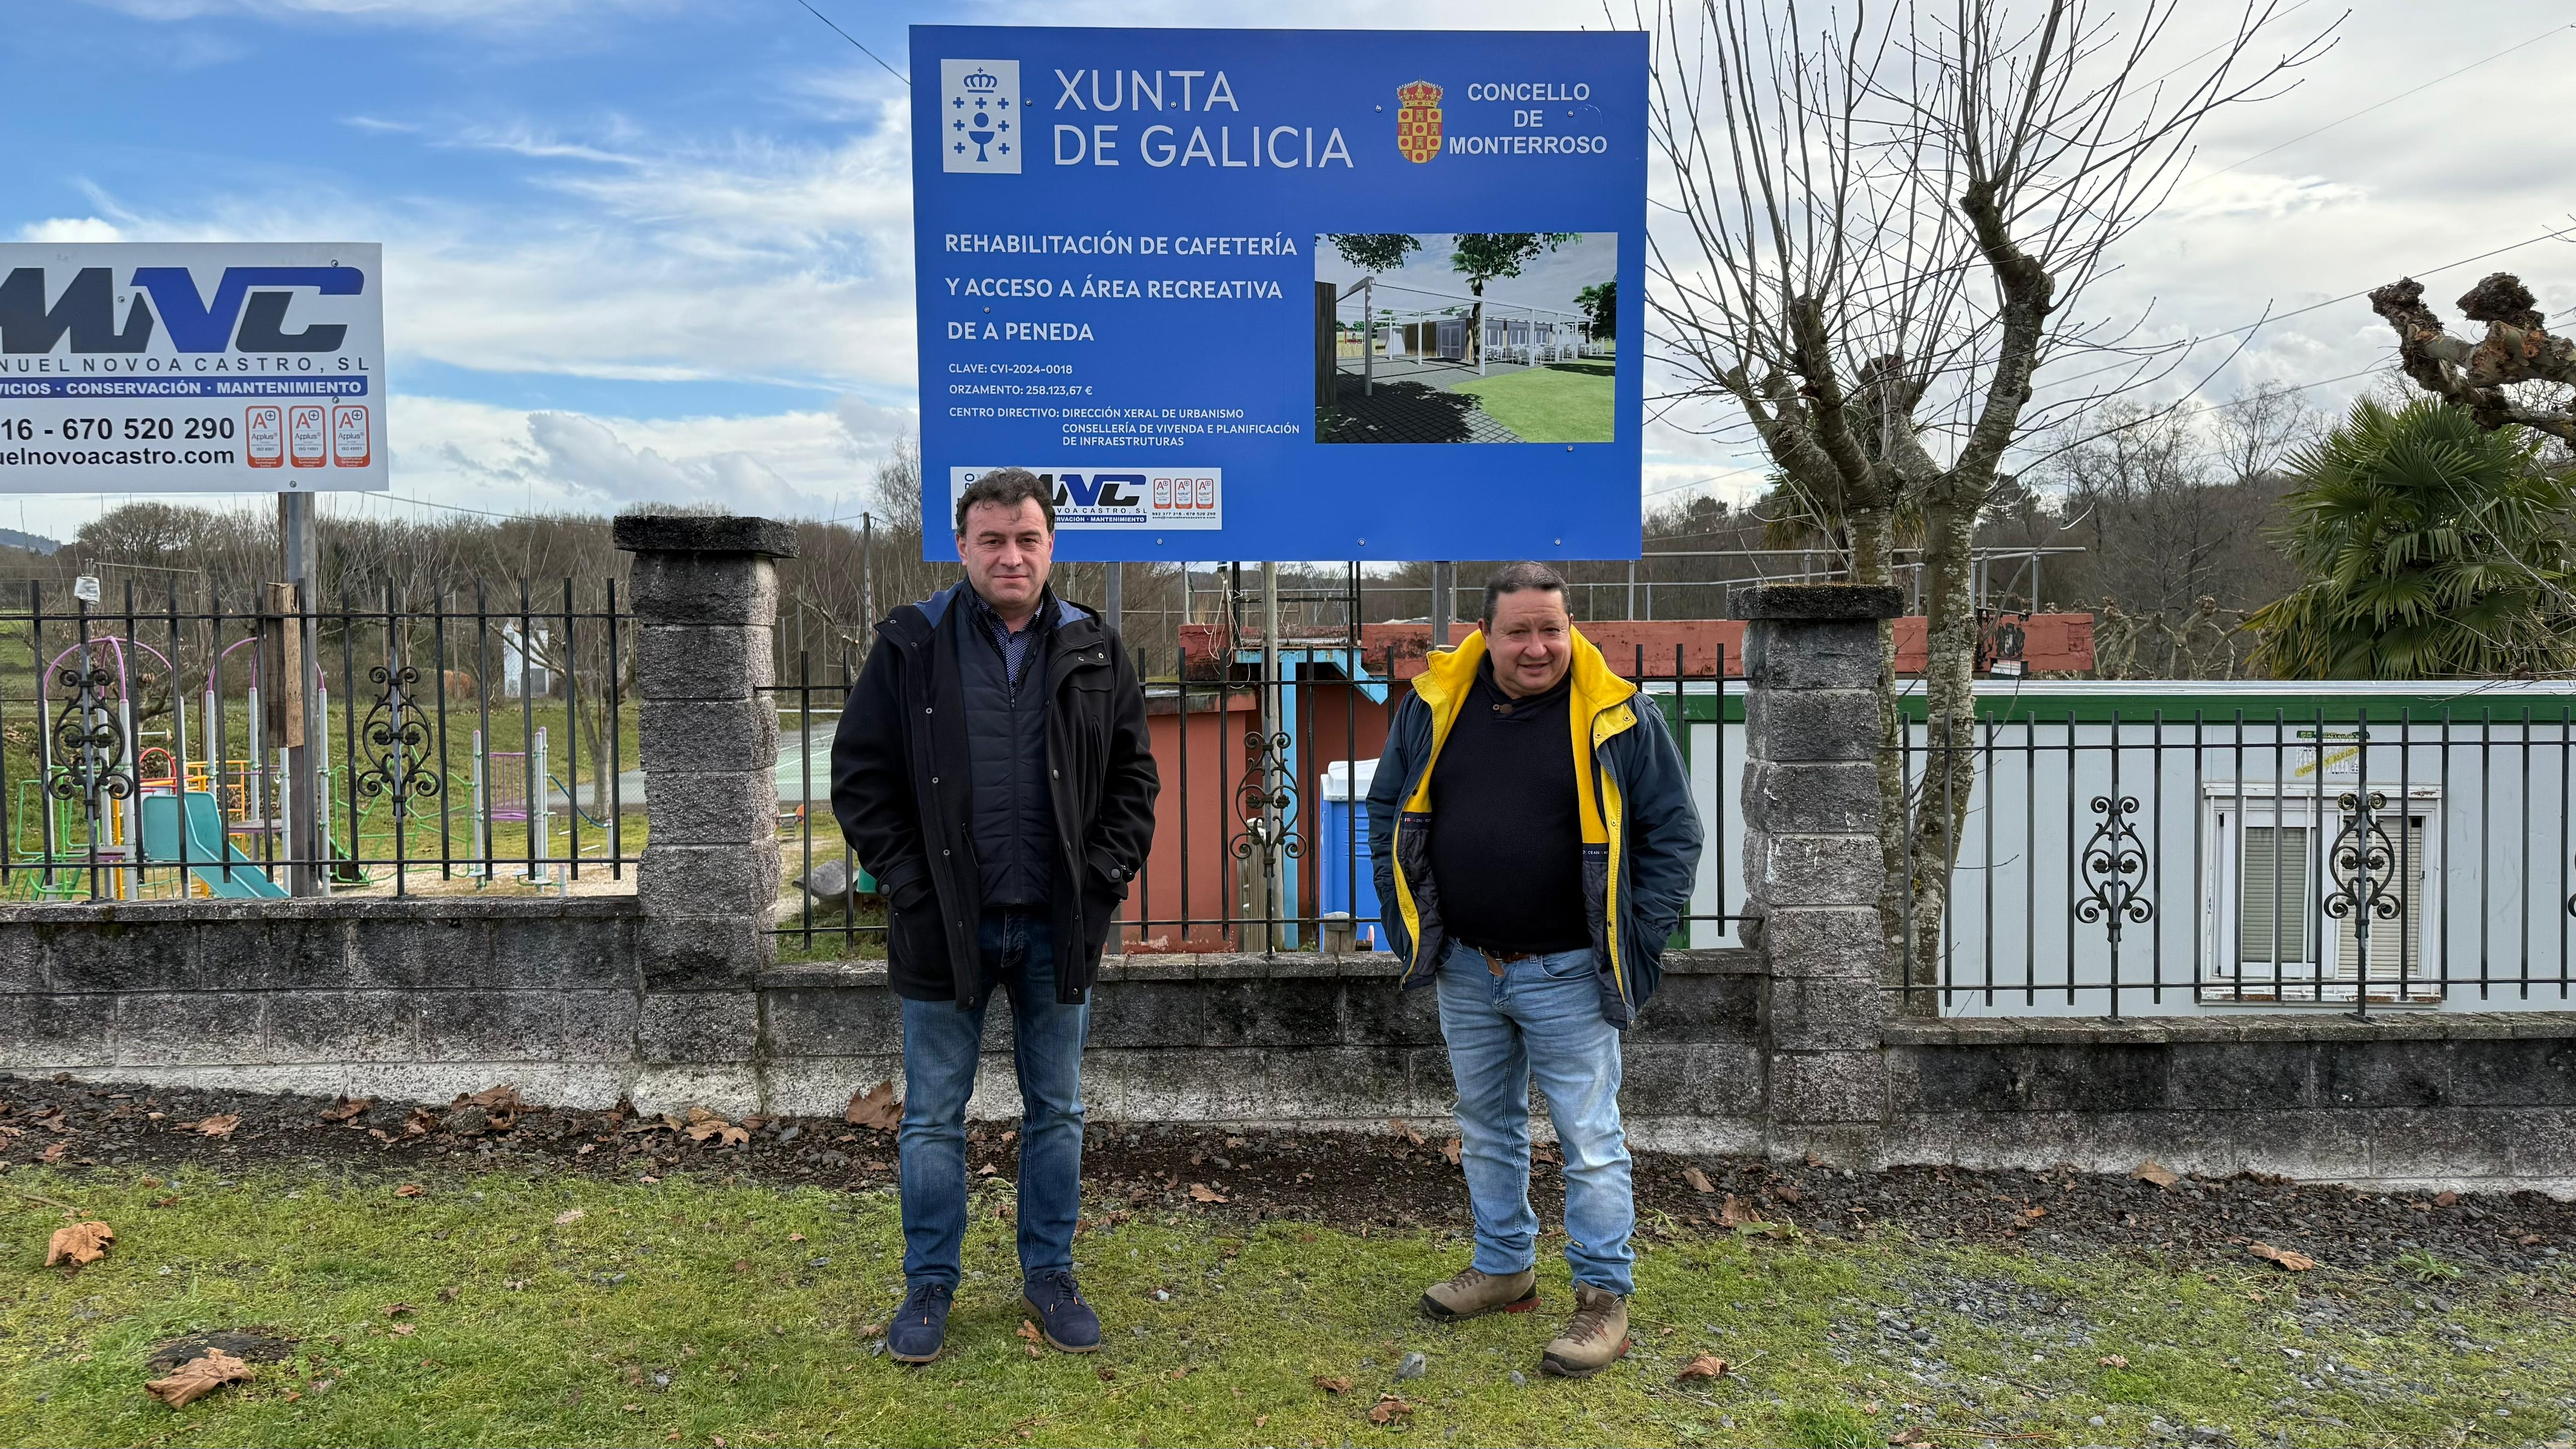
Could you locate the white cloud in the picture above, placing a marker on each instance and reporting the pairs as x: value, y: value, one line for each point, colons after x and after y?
x: 641, y: 258
x: 475, y: 455
x: 71, y: 229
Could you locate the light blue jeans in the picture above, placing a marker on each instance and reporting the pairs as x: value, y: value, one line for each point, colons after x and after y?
x: 1540, y: 1018
x: 941, y: 1045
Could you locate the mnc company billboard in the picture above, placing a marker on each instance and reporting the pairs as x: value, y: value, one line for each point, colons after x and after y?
x: 200, y: 367
x: 1286, y: 294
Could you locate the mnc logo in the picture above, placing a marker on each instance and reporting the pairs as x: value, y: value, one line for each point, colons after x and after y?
x: 1101, y: 490
x: 1156, y: 498
x: 248, y: 312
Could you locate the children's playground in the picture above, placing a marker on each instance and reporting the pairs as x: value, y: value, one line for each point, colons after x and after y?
x: 128, y: 789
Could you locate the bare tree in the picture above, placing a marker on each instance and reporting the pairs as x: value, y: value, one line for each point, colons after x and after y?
x: 2516, y: 374
x: 1884, y: 225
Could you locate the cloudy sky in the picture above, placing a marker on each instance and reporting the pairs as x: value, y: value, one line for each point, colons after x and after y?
x: 660, y: 248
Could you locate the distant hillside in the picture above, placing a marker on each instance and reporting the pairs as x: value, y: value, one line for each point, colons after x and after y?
x: 32, y: 543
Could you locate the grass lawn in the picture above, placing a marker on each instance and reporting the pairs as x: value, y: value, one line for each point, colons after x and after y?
x: 563, y: 1309
x: 1562, y: 402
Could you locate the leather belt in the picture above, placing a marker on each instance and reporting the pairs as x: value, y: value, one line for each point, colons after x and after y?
x: 1495, y: 961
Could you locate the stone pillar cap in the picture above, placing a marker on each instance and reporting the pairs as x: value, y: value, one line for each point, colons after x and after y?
x: 704, y: 533
x: 1816, y: 603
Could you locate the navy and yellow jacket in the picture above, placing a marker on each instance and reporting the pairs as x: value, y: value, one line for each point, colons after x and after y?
x: 1641, y: 834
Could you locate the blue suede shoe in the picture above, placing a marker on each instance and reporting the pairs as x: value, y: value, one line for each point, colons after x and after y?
x: 1061, y: 1315
x: 920, y: 1327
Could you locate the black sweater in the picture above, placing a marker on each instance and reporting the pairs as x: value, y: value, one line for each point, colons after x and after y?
x: 1506, y: 823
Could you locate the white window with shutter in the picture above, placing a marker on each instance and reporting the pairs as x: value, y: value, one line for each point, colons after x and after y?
x: 2298, y: 890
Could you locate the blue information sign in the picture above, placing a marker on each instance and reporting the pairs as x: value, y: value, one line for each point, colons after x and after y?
x: 1290, y: 294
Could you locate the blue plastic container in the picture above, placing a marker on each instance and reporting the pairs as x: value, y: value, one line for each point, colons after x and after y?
x: 1347, y: 881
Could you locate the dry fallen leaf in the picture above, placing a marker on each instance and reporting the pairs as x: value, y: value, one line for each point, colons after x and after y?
x: 2157, y: 1173
x: 501, y: 1101
x: 704, y: 1126
x: 198, y: 1377
x: 1333, y: 1386
x: 346, y: 1108
x: 81, y: 1242
x: 409, y: 1189
x: 1389, y: 1409
x: 1405, y: 1130
x: 1737, y: 1213
x: 219, y: 1125
x: 1706, y: 1366
x: 795, y: 1237
x: 1786, y: 1191
x: 2289, y: 1258
x: 405, y: 1330
x: 1912, y: 1437
x: 54, y: 1153
x: 420, y: 1123
x: 2445, y: 1199
x: 1028, y: 1330
x: 397, y: 1310
x: 876, y: 1108
x: 2034, y: 1213
x: 1201, y: 1192
x: 1455, y: 1150
x: 568, y: 1217
x: 2114, y: 1360
x: 1698, y: 1180
x: 1261, y: 1421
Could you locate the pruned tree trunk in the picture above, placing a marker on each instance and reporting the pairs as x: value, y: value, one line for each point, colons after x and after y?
x: 2518, y: 348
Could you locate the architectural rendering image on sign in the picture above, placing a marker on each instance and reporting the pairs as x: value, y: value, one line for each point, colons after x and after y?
x: 1466, y: 337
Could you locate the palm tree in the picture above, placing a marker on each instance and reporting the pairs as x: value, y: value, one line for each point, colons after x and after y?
x: 2432, y: 549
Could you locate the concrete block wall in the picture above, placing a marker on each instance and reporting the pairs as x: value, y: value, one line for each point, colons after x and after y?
x: 2404, y: 1100
x: 420, y: 999
x: 360, y: 995
x: 1297, y: 1039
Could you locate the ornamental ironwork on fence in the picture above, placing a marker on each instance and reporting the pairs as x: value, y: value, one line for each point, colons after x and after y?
x: 2365, y: 847
x: 151, y: 747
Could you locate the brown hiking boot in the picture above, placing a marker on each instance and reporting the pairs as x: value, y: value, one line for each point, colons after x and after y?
x: 1472, y: 1293
x: 1594, y: 1338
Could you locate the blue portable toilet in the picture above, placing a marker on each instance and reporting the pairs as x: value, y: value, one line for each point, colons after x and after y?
x: 1348, y: 881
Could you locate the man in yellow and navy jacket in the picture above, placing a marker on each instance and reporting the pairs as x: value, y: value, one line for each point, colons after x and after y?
x: 1531, y: 823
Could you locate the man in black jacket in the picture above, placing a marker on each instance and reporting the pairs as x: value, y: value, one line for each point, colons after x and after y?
x: 993, y: 770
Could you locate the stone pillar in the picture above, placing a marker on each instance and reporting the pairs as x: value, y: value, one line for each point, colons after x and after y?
x: 706, y: 601
x: 1812, y: 865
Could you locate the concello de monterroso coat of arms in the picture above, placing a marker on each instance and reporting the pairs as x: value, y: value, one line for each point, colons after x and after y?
x: 1417, y: 121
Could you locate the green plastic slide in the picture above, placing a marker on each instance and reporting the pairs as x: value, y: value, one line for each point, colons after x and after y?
x: 212, y: 857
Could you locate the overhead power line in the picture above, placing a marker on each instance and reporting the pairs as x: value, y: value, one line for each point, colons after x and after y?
x: 854, y: 40
x: 2392, y: 100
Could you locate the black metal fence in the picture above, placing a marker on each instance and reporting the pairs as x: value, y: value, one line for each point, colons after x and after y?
x: 1261, y: 840
x: 2369, y: 851
x: 152, y: 747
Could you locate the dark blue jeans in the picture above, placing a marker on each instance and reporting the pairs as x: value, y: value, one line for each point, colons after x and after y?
x: 941, y: 1047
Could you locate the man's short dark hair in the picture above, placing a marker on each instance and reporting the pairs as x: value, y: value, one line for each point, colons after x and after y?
x: 1512, y: 578
x: 1009, y: 487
